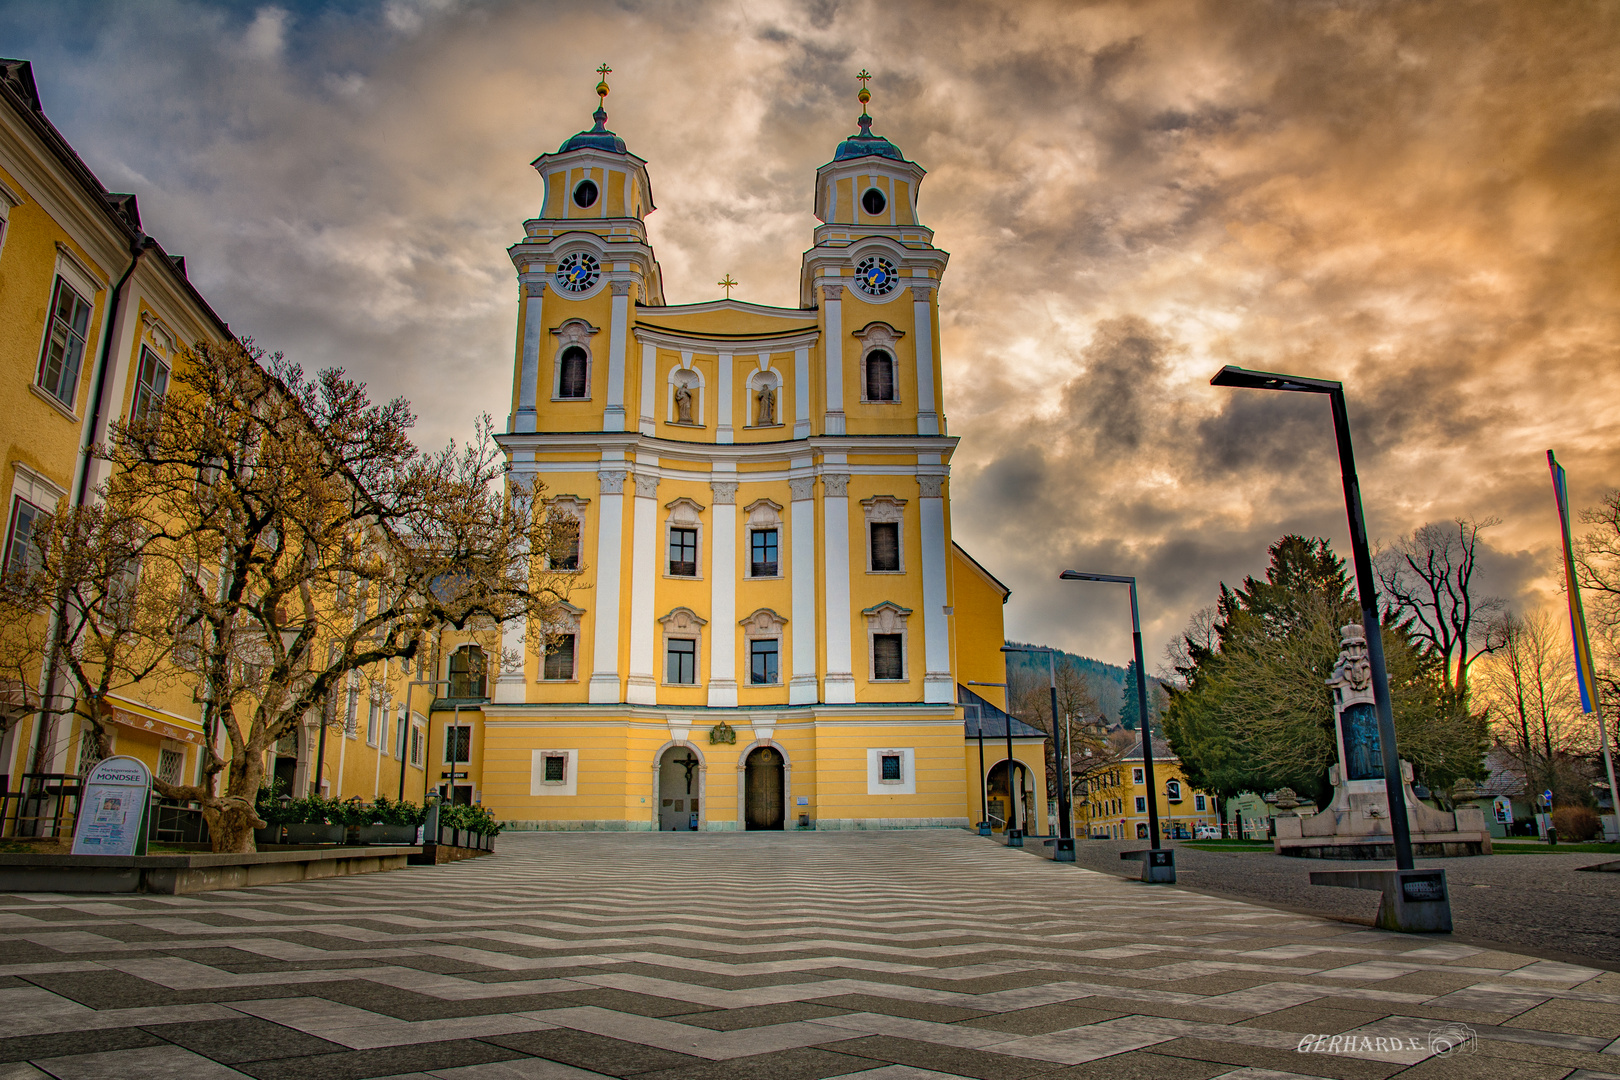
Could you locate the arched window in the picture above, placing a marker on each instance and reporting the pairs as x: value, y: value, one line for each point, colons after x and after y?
x: 879, y: 375
x: 573, y: 369
x: 467, y: 672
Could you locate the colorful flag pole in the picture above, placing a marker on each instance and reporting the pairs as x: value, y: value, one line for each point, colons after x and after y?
x: 1585, y: 673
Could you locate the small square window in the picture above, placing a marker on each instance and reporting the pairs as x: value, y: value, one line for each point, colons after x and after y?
x: 885, y: 547
x: 1136, y: 776
x: 682, y: 662
x: 683, y: 553
x: 762, y: 553
x: 1141, y: 804
x: 763, y: 658
x: 556, y: 769
x: 891, y: 767
x: 560, y: 660
x: 886, y: 658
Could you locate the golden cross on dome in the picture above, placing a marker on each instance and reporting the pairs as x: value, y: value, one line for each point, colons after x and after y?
x: 727, y: 284
x: 865, y: 95
x: 602, y: 87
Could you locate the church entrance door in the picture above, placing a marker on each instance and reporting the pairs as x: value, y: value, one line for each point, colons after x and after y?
x: 680, y: 780
x: 762, y: 783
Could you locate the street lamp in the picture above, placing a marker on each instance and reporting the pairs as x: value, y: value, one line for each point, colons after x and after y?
x: 1158, y: 865
x: 1413, y: 900
x: 1064, y: 849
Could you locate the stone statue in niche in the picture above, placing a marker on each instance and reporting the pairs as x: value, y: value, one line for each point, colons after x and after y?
x: 765, y: 416
x: 683, y: 403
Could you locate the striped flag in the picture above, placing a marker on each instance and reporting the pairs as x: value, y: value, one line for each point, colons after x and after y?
x: 1584, y: 672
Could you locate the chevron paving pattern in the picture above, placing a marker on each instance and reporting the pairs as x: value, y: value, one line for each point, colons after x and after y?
x: 925, y: 955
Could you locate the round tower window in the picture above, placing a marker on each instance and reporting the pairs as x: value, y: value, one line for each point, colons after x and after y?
x: 585, y: 194
x: 874, y: 202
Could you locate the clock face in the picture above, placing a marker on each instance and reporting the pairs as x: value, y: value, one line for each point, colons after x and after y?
x: 875, y: 276
x: 578, y: 272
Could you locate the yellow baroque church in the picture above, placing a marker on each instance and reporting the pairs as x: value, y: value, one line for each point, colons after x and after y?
x: 771, y: 626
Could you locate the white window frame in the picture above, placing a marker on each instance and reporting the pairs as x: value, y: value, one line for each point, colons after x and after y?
x: 765, y: 625
x: 62, y: 279
x: 683, y: 513
x: 887, y: 618
x: 764, y: 515
x: 445, y: 751
x: 874, y: 337
x: 137, y: 396
x: 539, y: 785
x: 885, y: 510
x: 1199, y: 804
x: 571, y: 334
x: 1137, y: 776
x: 9, y: 201
x: 906, y: 785
x: 1141, y: 804
x: 572, y: 506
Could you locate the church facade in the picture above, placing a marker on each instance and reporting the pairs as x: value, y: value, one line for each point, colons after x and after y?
x: 770, y: 622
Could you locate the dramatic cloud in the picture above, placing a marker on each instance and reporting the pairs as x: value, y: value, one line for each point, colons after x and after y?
x: 1420, y: 199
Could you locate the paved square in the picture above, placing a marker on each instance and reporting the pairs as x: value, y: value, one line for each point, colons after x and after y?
x: 886, y: 956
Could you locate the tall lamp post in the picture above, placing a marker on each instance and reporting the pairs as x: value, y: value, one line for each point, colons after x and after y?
x: 1413, y: 900
x: 1063, y: 851
x: 1158, y: 864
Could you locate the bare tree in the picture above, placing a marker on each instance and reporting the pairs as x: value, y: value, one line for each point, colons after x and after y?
x: 1597, y: 567
x: 1426, y: 580
x: 1529, y: 690
x: 1201, y: 634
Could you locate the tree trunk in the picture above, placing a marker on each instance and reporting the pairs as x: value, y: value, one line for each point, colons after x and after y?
x: 231, y: 817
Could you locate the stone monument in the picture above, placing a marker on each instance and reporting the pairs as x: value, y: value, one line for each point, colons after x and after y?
x: 1355, y: 824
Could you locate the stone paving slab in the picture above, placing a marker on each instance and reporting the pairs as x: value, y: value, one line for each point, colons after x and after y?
x: 919, y: 955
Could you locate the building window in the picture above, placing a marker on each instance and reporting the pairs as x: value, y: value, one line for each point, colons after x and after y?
x: 374, y: 723
x: 879, y: 375
x: 560, y: 659
x: 573, y: 370
x: 351, y: 715
x: 682, y: 661
x: 567, y: 544
x: 884, y: 515
x: 402, y: 734
x: 886, y: 657
x: 556, y: 769
x: 22, y: 557
x: 763, y: 656
x: 890, y: 768
x: 1141, y: 804
x: 1172, y: 790
x: 683, y: 553
x: 1198, y: 803
x: 886, y: 547
x: 64, y: 344
x: 151, y: 383
x: 457, y: 744
x: 565, y: 515
x: 467, y: 672
x: 170, y: 762
x: 417, y: 741
x: 1136, y: 776
x: 762, y: 551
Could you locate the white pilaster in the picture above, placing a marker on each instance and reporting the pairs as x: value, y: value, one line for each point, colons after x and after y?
x: 534, y: 293
x: 610, y: 538
x: 840, y: 678
x: 723, y: 592
x: 641, y: 685
x: 511, y: 682
x: 922, y: 311
x: 801, y: 555
x: 649, y: 392
x: 724, y: 405
x: 801, y: 393
x: 613, y: 414
x: 937, y: 681
x: 833, y: 349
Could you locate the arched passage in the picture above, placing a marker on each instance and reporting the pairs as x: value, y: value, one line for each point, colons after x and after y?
x: 680, y: 801
x: 1015, y: 811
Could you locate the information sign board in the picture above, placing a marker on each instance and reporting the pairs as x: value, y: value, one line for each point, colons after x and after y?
x: 112, y: 811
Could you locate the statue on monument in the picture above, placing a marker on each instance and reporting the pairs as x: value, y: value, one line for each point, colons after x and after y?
x: 683, y: 403
x: 765, y: 416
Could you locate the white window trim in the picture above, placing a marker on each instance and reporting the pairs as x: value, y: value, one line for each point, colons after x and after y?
x: 539, y: 785
x: 684, y: 624
x: 1137, y: 776
x: 35, y: 488
x: 764, y: 625
x: 571, y: 334
x: 9, y: 201
x: 883, y: 510
x: 472, y: 749
x: 79, y: 274
x: 906, y: 785
x: 764, y: 515
x: 573, y: 506
x: 874, y: 336
x: 1141, y: 804
x: 566, y: 621
x: 887, y: 618
x: 683, y: 513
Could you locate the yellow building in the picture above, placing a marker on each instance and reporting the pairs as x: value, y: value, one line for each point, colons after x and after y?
x: 771, y: 620
x: 94, y: 314
x: 1115, y: 803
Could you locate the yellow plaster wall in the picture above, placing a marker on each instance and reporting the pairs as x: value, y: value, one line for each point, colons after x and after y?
x: 979, y: 628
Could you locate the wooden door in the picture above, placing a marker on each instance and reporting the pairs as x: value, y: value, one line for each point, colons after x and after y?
x: 763, y: 789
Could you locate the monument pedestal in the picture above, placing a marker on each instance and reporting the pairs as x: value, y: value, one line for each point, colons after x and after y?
x: 1415, y: 901
x: 1158, y: 864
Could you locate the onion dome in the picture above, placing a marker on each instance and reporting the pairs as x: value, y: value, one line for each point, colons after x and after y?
x: 598, y: 137
x: 866, y: 144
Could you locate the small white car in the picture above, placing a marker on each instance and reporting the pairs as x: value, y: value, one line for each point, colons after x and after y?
x: 1207, y: 832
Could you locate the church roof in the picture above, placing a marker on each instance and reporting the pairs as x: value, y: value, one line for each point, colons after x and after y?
x: 866, y: 144
x: 597, y: 138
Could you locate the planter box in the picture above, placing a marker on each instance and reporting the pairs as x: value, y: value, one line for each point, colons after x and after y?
x: 316, y: 834
x: 384, y: 834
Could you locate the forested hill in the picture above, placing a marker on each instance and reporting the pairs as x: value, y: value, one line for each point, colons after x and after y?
x: 1107, y: 680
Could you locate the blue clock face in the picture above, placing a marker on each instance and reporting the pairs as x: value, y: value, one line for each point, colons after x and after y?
x: 875, y: 276
x: 578, y: 272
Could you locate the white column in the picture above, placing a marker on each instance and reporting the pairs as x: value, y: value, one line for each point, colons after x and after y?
x: 724, y: 406
x: 833, y: 350
x: 641, y: 685
x: 922, y: 311
x: 801, y: 554
x: 937, y: 678
x: 840, y: 677
x: 610, y: 537
x: 511, y: 681
x: 801, y: 393
x: 649, y: 392
x: 723, y: 595
x: 534, y: 328
x: 613, y: 414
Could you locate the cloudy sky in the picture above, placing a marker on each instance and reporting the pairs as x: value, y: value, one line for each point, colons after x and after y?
x: 1421, y: 199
